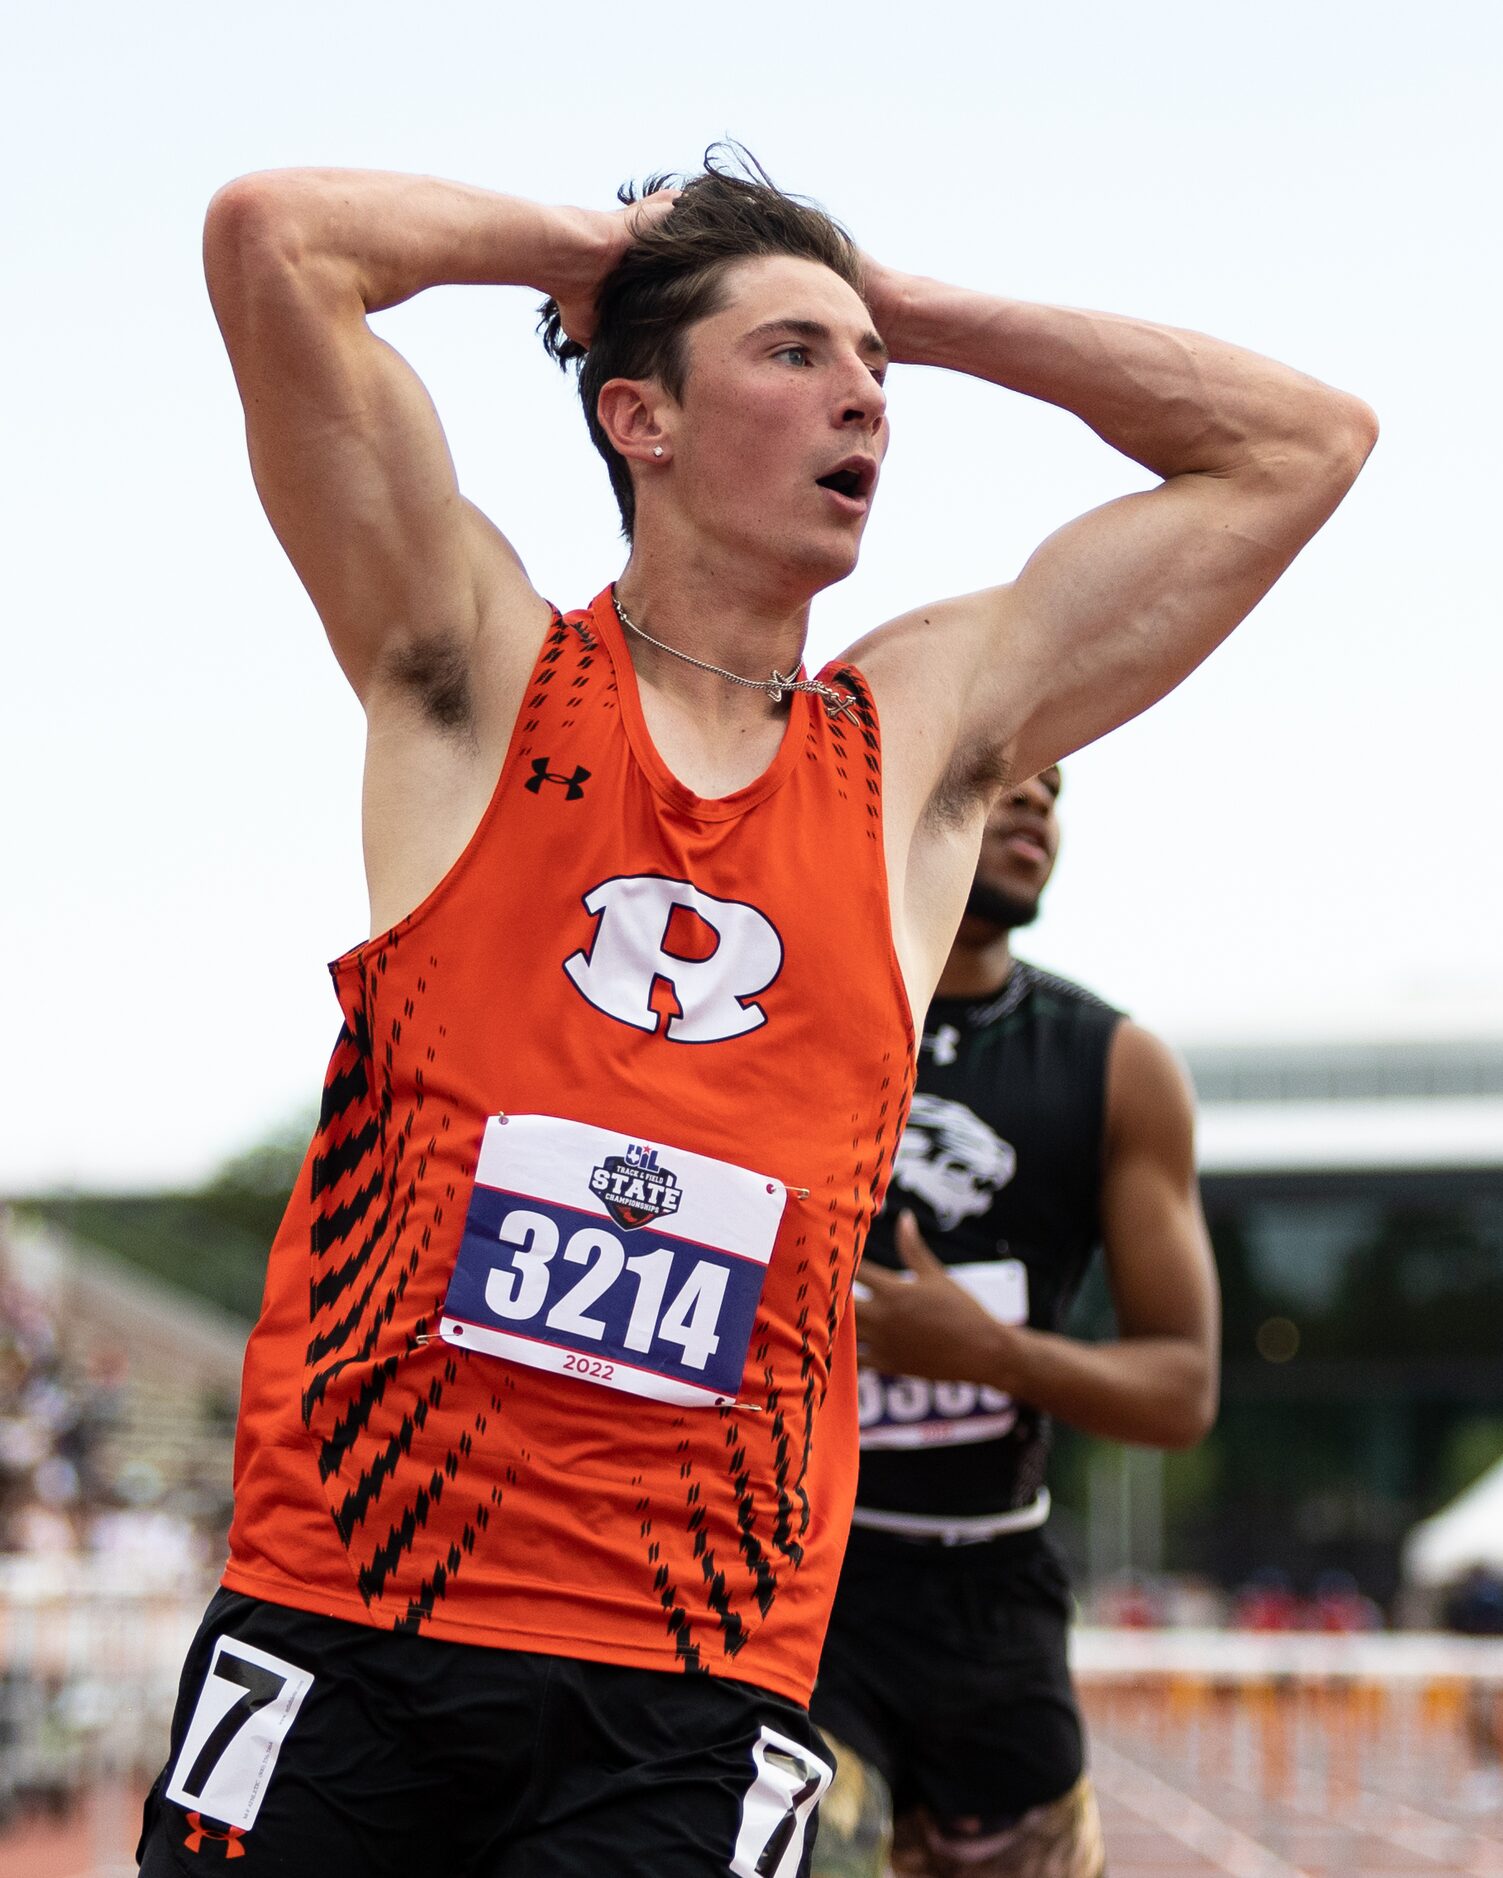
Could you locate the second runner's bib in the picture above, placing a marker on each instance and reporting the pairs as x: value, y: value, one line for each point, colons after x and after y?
x: 913, y: 1412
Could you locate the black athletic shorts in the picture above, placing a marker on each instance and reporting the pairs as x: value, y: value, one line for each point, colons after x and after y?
x: 945, y: 1669
x: 315, y: 1748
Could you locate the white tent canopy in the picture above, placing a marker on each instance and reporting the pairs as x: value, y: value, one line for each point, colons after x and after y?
x: 1466, y: 1533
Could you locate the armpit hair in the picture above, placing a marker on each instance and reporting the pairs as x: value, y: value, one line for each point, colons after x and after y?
x: 974, y: 776
x: 436, y: 671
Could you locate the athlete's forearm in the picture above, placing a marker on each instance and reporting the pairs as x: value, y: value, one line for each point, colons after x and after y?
x: 390, y: 236
x: 1159, y: 1391
x: 1177, y: 402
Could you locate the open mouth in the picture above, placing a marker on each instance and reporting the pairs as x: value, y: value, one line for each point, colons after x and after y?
x: 854, y: 480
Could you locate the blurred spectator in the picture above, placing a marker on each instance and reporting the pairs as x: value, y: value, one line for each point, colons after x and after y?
x: 1339, y: 1604
x: 1474, y: 1605
x: 79, y: 1517
x: 54, y: 1416
x: 1188, y: 1602
x: 1130, y: 1601
x: 1266, y: 1602
x: 148, y: 1548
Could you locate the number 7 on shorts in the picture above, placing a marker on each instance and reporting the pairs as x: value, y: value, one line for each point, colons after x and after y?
x: 775, y: 1813
x: 248, y: 1702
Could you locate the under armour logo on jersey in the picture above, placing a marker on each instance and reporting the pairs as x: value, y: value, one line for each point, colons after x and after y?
x: 629, y: 957
x: 573, y: 785
x: 943, y: 1044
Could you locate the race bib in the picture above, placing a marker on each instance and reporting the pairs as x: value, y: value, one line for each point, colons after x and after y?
x: 621, y: 1262
x: 915, y: 1412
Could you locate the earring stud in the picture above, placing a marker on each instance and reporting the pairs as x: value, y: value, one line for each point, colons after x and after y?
x: 657, y: 449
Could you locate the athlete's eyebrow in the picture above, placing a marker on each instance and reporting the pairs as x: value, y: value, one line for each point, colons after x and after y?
x: 870, y: 343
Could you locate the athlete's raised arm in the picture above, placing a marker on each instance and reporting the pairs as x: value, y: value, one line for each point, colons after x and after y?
x: 1117, y: 607
x: 1157, y: 1381
x: 347, y: 451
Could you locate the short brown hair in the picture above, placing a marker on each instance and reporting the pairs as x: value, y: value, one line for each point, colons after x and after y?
x: 672, y: 276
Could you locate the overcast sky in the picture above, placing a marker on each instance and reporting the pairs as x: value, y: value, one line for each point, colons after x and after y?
x: 1302, y: 841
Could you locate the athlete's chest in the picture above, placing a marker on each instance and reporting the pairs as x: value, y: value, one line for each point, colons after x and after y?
x: 655, y: 927
x: 713, y: 756
x: 611, y: 892
x: 1003, y: 1141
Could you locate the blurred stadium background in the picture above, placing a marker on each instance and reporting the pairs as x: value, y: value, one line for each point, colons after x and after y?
x: 1292, y: 1636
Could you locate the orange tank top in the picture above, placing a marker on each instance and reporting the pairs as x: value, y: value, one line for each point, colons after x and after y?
x: 551, y: 1352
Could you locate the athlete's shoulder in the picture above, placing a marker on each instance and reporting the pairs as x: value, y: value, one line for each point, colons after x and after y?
x: 848, y: 696
x: 1031, y: 984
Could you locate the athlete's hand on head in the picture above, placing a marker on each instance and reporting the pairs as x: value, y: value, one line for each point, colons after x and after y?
x: 920, y: 1322
x: 884, y: 295
x: 606, y: 235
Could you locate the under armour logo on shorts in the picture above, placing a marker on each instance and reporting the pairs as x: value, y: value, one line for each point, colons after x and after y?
x: 573, y: 785
x: 227, y: 1836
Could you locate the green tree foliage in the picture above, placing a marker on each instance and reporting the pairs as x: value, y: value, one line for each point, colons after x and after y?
x: 250, y: 1191
x: 213, y: 1239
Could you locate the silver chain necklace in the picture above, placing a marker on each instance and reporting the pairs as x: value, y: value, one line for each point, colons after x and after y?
x: 836, y: 703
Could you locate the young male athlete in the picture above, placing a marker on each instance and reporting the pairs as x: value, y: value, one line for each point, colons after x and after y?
x: 1043, y: 1125
x: 548, y: 1436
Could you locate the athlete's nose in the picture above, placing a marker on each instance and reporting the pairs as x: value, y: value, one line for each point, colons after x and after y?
x: 866, y: 401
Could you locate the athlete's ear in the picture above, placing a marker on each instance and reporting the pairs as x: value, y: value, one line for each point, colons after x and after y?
x: 636, y: 415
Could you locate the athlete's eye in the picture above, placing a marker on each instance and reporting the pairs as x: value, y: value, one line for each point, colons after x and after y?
x: 798, y: 354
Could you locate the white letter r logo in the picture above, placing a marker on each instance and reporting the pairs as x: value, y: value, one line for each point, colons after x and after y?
x: 618, y: 973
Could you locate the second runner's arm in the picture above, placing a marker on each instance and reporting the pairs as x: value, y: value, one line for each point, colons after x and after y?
x: 1157, y: 1382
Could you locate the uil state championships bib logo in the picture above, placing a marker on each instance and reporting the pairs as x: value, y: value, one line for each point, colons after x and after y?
x: 634, y: 1188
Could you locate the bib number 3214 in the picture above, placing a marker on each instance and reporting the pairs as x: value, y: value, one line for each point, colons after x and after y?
x: 617, y: 1261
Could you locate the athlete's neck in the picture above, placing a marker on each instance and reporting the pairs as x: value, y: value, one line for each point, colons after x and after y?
x: 980, y: 962
x: 722, y: 614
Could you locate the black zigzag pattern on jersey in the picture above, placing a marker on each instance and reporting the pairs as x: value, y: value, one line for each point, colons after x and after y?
x: 863, y: 748
x: 717, y: 1595
x: 790, y: 1522
x: 362, y: 1263
x: 792, y: 1507
x: 529, y: 718
x: 421, y: 1607
x: 384, y: 1467
x: 675, y: 1611
x: 357, y: 1148
x: 422, y: 1512
x: 764, y: 1579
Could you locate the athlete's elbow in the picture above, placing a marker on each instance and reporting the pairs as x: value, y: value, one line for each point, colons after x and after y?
x: 1184, y: 1431
x: 1191, y: 1414
x: 1345, y: 435
x: 1308, y: 452
x: 1335, y: 439
x: 257, y: 224
x: 241, y: 214
x: 1186, y: 1399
